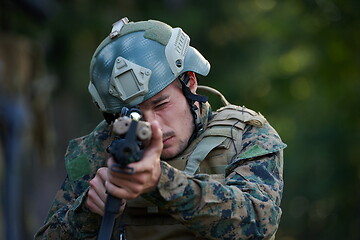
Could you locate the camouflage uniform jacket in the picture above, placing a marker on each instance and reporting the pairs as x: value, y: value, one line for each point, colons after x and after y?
x: 234, y: 193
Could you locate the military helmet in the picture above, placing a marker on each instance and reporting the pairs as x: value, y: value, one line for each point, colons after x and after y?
x: 138, y: 60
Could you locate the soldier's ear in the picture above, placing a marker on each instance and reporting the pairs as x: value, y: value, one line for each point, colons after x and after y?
x: 192, y: 82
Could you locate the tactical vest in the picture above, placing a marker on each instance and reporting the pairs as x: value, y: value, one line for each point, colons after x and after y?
x: 210, y: 153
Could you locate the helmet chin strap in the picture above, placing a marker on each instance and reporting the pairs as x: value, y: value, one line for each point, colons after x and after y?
x: 191, y: 99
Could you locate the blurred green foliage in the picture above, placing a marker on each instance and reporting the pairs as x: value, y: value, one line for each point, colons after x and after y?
x: 297, y: 62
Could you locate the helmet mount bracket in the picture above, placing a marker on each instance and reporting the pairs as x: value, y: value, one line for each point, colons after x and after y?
x: 129, y: 81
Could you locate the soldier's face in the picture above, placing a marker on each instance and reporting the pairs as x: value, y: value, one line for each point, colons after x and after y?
x: 170, y: 108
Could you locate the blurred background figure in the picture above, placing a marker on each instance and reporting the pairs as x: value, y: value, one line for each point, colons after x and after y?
x: 25, y: 126
x: 26, y: 134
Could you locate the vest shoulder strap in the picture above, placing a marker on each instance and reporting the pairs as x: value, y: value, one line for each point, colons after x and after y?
x: 201, y: 151
x: 232, y: 114
x: 219, y: 129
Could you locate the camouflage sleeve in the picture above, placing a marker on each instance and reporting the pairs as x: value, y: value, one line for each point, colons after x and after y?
x: 245, y: 206
x: 69, y: 218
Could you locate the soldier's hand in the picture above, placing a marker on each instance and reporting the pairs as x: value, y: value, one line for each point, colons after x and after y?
x: 146, y: 171
x: 96, y: 196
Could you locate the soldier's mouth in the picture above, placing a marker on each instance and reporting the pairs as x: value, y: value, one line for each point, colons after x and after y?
x: 167, y: 140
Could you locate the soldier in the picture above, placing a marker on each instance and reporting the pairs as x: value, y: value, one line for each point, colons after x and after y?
x: 204, y: 174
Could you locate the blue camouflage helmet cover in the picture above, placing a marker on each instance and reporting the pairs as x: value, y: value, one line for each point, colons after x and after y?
x: 138, y: 60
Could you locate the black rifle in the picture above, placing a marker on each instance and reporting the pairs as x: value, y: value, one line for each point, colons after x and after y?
x: 127, y: 147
